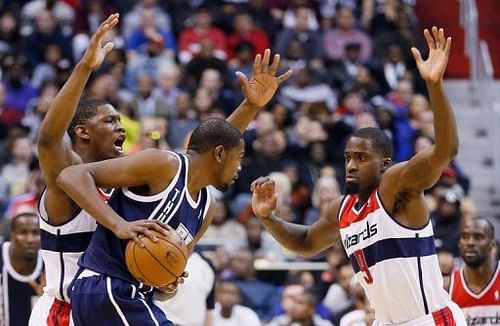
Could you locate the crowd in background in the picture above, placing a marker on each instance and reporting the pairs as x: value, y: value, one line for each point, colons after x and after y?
x: 174, y: 63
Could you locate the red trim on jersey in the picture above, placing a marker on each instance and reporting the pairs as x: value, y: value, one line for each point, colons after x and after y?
x: 443, y: 317
x: 104, y: 196
x: 59, y: 313
x: 464, y: 297
x: 349, y: 213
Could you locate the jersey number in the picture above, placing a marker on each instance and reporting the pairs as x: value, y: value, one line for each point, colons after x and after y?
x: 363, y: 266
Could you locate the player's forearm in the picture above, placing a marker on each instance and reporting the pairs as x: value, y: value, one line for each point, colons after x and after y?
x: 243, y: 115
x: 62, y: 109
x: 445, y: 126
x: 291, y: 236
x: 80, y: 186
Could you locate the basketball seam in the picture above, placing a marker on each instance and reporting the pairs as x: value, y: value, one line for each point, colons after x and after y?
x: 139, y: 269
x: 159, y: 262
x: 176, y: 245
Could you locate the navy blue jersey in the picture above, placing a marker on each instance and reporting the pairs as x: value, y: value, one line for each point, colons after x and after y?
x: 17, y: 297
x: 173, y: 206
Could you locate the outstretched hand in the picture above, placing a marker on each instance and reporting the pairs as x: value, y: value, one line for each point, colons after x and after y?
x: 260, y: 88
x: 263, y: 197
x: 432, y: 69
x: 95, y: 53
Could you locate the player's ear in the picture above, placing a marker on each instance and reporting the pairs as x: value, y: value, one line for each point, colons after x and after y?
x: 219, y: 153
x: 82, y: 132
x: 386, y: 163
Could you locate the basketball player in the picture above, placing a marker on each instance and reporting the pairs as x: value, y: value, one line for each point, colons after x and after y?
x: 96, y: 134
x: 476, y: 287
x: 157, y: 185
x: 21, y: 270
x: 383, y: 222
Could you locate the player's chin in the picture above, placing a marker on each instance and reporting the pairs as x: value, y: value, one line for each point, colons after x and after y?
x: 351, y: 188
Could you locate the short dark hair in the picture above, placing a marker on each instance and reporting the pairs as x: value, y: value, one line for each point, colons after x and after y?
x: 213, y: 132
x: 378, y: 138
x: 15, y: 218
x: 86, y: 110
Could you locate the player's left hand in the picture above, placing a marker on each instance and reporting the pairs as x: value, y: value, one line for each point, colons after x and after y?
x: 172, y: 287
x: 432, y: 69
x: 260, y: 89
x: 264, y: 197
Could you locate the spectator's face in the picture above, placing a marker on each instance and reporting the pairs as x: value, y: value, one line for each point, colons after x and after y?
x: 220, y: 213
x: 45, y: 22
x: 242, y: 264
x: 203, y: 19
x: 346, y: 273
x: 202, y: 100
x: 422, y: 143
x: 25, y: 237
x: 302, y: 308
x: 446, y: 263
x: 254, y: 230
x: 228, y: 295
x: 168, y: 78
x: 211, y: 80
x: 8, y: 23
x: 302, y: 18
x: 183, y: 104
x: 290, y: 294
x: 476, y: 243
x: 145, y: 85
x: 243, y: 24
x: 22, y: 149
x: 345, y: 19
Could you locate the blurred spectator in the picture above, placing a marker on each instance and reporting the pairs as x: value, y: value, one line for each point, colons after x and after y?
x: 261, y: 297
x: 261, y: 243
x: 21, y: 267
x: 61, y: 11
x: 242, y: 61
x: 152, y: 134
x: 337, y: 298
x: 18, y: 91
x: 205, y: 60
x: 52, y: 65
x: 246, y: 31
x: 342, y: 72
x: 89, y: 14
x: 224, y: 98
x: 301, y: 312
x: 132, y: 19
x: 325, y: 190
x: 392, y: 69
x: 194, y: 301
x: 228, y: 311
x: 46, y: 32
x: 184, y: 120
x: 10, y: 39
x: 144, y: 103
x: 167, y: 87
x: 262, y: 17
x: 335, y: 258
x: 335, y: 40
x: 360, y: 313
x: 301, y: 32
x: 190, y: 39
x: 446, y: 219
x: 224, y: 230
x: 149, y: 32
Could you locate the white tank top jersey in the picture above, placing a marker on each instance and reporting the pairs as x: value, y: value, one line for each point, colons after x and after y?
x: 61, y: 247
x: 396, y: 266
x: 481, y: 308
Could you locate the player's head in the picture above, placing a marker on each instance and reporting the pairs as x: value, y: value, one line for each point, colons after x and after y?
x: 25, y: 235
x: 367, y: 155
x: 97, y: 125
x: 477, y: 240
x: 224, y: 148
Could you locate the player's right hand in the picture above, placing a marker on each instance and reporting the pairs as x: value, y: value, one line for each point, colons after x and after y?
x: 263, y: 197
x: 95, y: 53
x: 134, y: 230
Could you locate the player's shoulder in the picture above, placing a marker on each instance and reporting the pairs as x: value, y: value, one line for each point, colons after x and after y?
x: 333, y: 208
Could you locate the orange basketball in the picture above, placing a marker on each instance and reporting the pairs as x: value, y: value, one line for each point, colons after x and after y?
x: 158, y: 263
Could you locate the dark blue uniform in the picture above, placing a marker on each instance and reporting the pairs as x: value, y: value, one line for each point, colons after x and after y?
x: 17, y: 296
x: 106, y: 293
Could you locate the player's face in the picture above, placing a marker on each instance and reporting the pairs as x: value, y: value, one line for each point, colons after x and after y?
x: 475, y: 245
x: 25, y: 237
x: 230, y: 167
x: 106, y: 133
x: 363, y: 165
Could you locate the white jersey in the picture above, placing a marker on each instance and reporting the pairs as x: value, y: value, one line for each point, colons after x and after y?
x: 61, y: 247
x: 396, y: 266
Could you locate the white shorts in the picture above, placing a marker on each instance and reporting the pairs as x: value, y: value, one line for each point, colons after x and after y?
x: 42, y: 309
x: 439, y: 318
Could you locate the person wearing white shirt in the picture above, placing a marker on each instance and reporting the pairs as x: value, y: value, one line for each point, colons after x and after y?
x: 227, y: 310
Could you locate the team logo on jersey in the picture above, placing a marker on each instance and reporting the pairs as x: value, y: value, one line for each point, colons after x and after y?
x: 368, y: 232
x: 184, y: 233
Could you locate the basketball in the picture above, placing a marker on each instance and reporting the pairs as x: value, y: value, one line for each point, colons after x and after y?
x: 158, y: 263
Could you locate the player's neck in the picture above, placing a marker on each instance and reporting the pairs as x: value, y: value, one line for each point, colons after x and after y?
x: 21, y: 265
x: 478, y: 277
x: 197, y: 173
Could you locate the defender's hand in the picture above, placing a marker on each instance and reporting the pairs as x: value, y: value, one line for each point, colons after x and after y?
x: 432, y: 69
x: 260, y: 89
x: 95, y: 53
x: 263, y: 197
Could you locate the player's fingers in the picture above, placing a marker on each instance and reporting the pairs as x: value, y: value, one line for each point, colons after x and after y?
x: 285, y: 76
x: 428, y: 39
x: 108, y: 47
x: 265, y: 61
x: 447, y: 48
x: 442, y: 39
x: 258, y: 182
x: 275, y: 64
x: 243, y: 79
x: 151, y: 235
x: 256, y: 64
x: 105, y: 26
x: 158, y: 227
x: 137, y: 240
x: 416, y: 55
x: 435, y: 35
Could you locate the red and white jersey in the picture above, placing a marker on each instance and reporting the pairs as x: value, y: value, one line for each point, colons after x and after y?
x: 396, y: 266
x: 481, y: 308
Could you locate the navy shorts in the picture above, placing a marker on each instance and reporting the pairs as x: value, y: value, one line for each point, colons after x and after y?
x: 102, y: 300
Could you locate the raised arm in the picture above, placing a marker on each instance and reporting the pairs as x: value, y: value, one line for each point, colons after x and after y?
x: 302, y: 239
x: 55, y: 153
x: 80, y: 182
x: 424, y: 169
x: 259, y: 90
